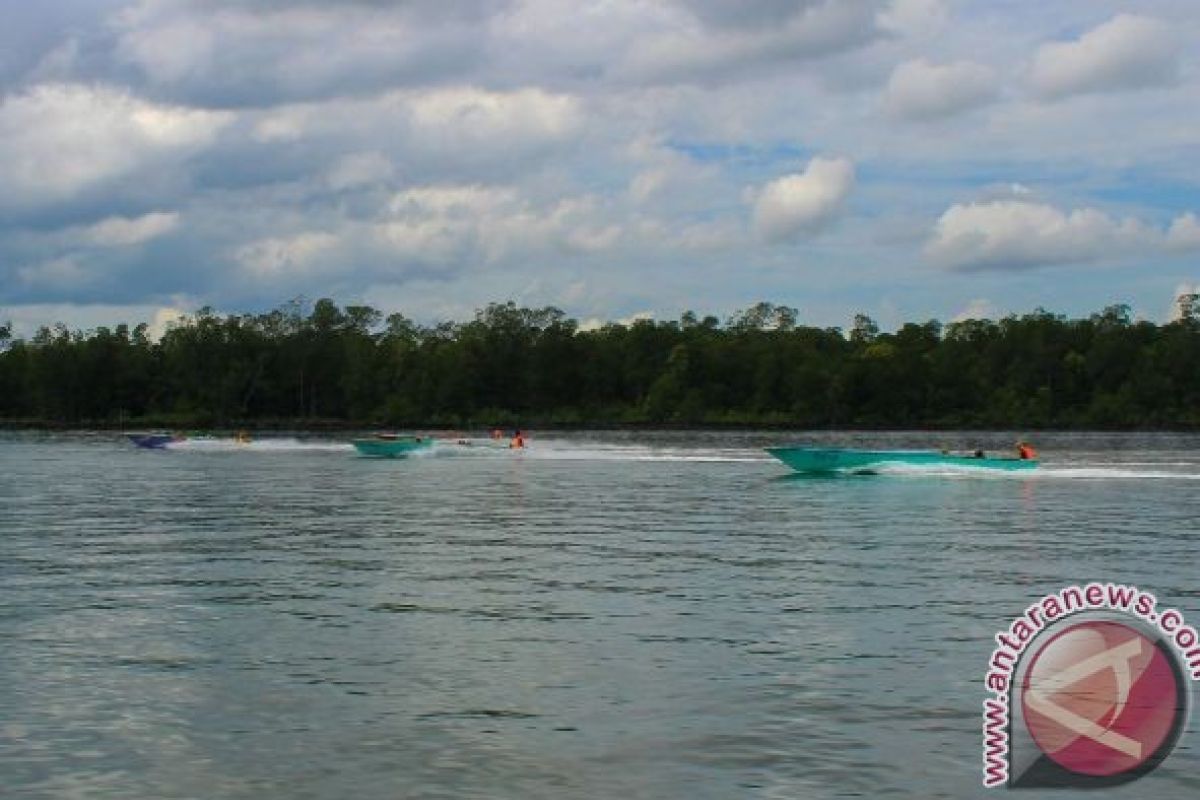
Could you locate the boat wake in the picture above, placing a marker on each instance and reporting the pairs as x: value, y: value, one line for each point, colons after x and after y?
x: 268, y: 445
x: 1119, y: 473
x: 567, y: 450
x: 541, y: 450
x: 1079, y: 466
x: 1114, y: 471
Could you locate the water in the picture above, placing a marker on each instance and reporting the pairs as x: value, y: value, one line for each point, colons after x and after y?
x: 608, y: 615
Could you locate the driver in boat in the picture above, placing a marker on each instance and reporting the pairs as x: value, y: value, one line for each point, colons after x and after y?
x: 1025, y: 451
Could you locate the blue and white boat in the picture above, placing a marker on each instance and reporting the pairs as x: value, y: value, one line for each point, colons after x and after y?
x: 840, y: 459
x: 153, y: 441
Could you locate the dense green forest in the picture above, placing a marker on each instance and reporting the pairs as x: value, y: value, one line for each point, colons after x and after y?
x: 325, y: 365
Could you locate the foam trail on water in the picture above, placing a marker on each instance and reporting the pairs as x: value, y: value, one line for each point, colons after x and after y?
x: 1043, y: 472
x: 1117, y: 472
x: 567, y: 450
x: 272, y: 445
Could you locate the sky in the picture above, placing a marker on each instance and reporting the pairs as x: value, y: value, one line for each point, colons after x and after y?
x: 907, y: 159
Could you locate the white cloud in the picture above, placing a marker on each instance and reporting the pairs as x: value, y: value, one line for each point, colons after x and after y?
x: 920, y: 90
x: 685, y: 53
x: 596, y: 323
x: 1013, y: 190
x: 461, y: 125
x: 57, y: 65
x: 270, y: 52
x: 281, y: 126
x: 668, y: 181
x: 435, y: 231
x: 746, y: 14
x: 803, y: 204
x: 1127, y: 52
x: 439, y: 224
x: 914, y: 17
x: 164, y: 317
x: 360, y: 169
x: 1010, y: 234
x: 48, y: 152
x: 123, y: 231
x: 171, y: 51
x: 473, y: 118
x: 645, y: 185
x: 26, y: 318
x: 62, y: 273
x: 979, y: 308
x: 283, y: 256
x: 1184, y: 233
x: 708, y: 237
x: 454, y: 224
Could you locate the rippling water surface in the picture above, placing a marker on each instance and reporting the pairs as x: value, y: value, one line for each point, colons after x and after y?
x: 602, y: 615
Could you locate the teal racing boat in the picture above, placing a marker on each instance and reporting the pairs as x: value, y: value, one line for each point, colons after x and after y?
x: 389, y: 446
x: 837, y: 459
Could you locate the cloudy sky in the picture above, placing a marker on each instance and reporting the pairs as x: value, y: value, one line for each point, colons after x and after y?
x: 905, y: 158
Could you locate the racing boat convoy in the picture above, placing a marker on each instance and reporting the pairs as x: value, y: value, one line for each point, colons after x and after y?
x: 380, y: 445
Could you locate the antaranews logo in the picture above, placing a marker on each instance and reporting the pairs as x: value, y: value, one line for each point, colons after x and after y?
x: 1088, y: 688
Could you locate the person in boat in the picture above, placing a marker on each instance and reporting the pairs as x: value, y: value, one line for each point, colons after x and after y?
x: 978, y: 454
x: 518, y: 440
x: 1025, y: 451
x: 497, y: 433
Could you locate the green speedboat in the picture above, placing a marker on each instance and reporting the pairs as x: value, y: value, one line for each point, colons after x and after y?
x: 387, y: 446
x: 837, y: 459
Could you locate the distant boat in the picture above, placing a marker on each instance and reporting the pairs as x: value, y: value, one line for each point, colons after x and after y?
x: 153, y: 441
x: 392, y: 446
x: 837, y: 459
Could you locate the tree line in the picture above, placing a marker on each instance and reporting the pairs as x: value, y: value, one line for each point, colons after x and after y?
x: 302, y: 365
